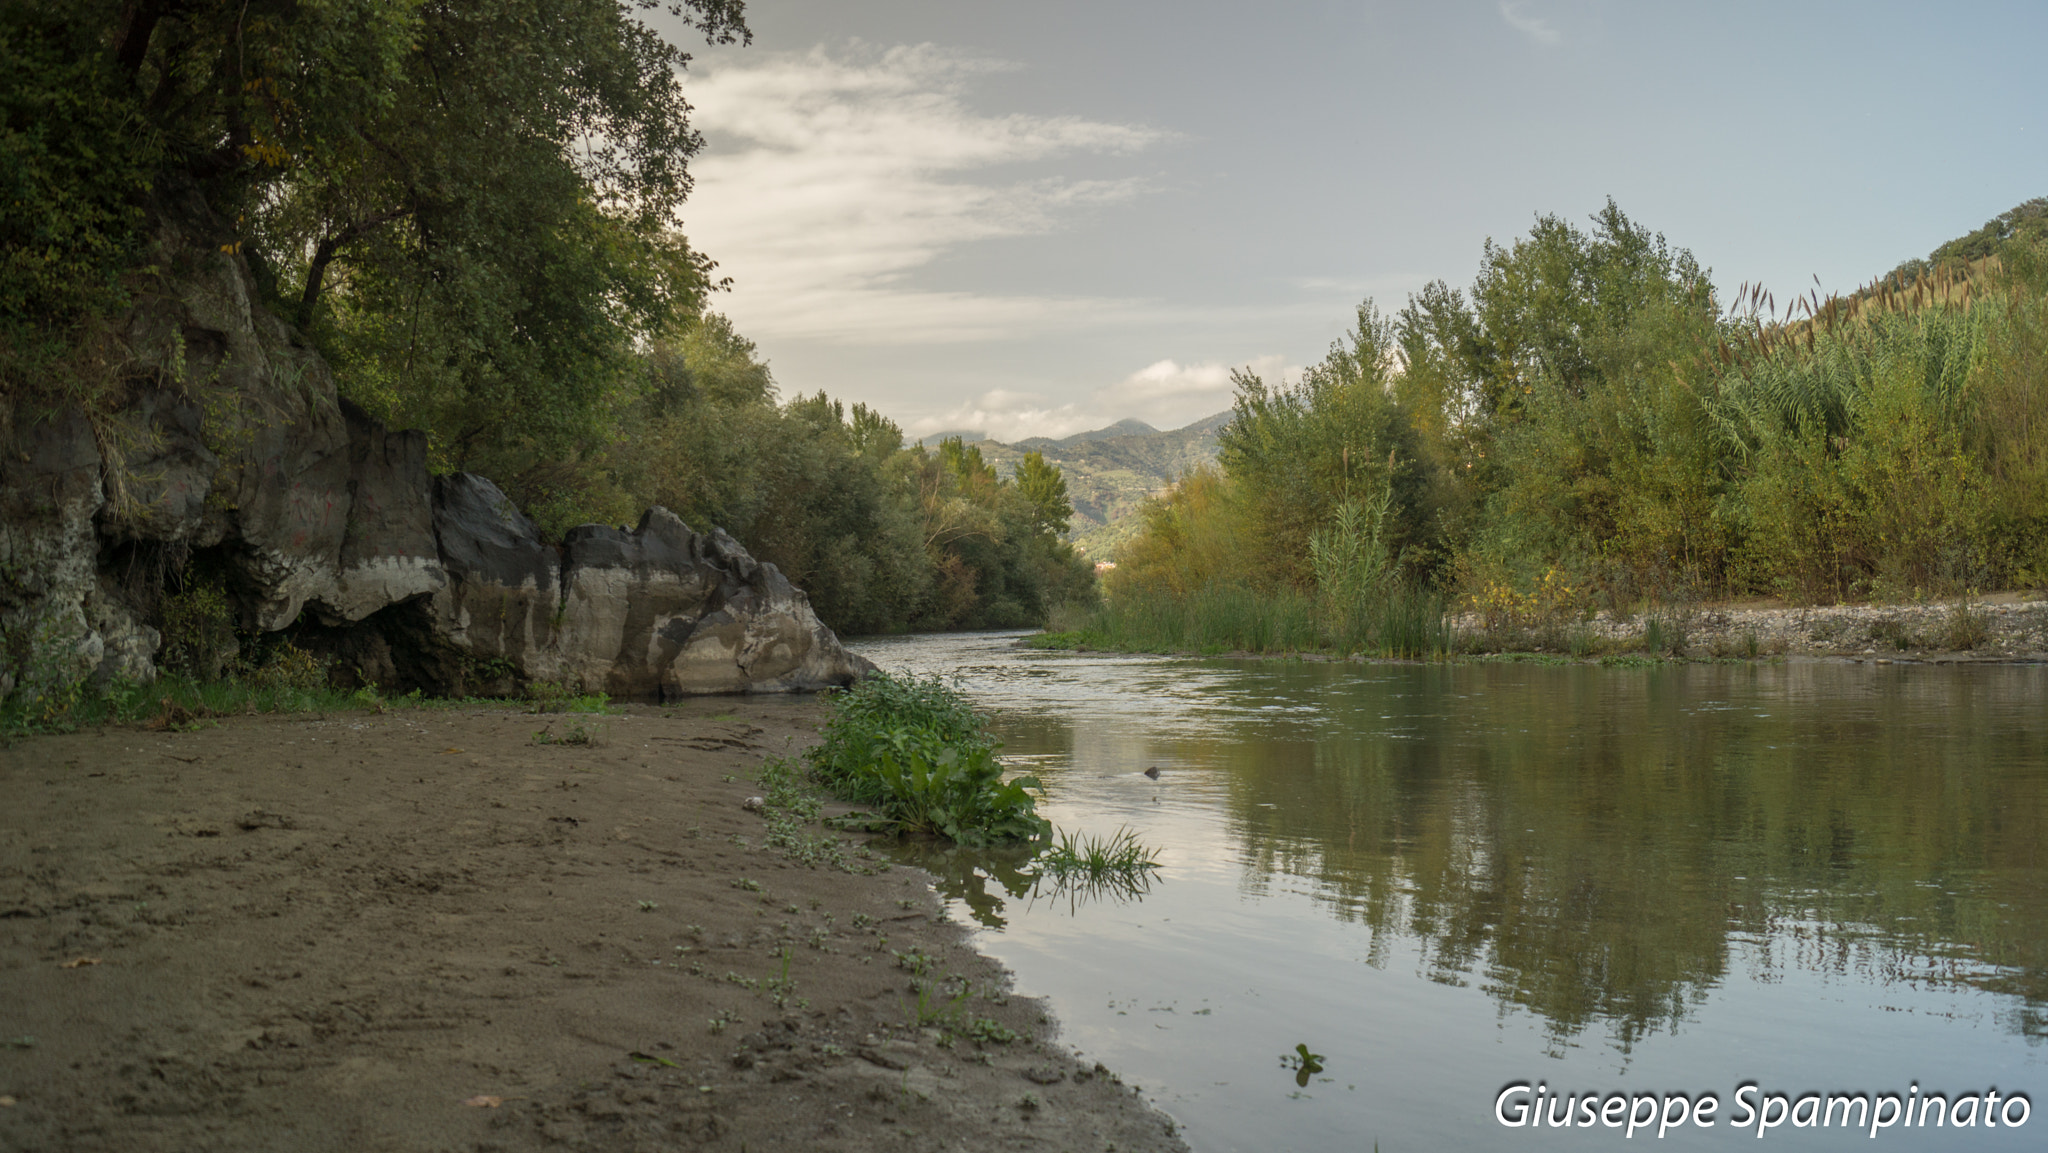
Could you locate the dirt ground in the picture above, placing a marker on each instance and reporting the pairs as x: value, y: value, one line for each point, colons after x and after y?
x: 423, y: 930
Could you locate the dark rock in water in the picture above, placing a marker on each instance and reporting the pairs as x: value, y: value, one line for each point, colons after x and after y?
x: 317, y: 519
x: 1153, y: 772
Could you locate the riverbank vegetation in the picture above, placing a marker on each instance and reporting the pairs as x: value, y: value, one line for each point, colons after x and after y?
x: 470, y: 211
x: 1590, y: 427
x: 918, y: 753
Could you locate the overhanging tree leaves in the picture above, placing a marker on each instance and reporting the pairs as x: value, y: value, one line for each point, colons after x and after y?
x: 468, y: 202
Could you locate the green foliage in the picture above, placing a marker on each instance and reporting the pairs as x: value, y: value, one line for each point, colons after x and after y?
x: 173, y: 701
x: 789, y: 808
x: 1849, y: 463
x: 919, y: 754
x: 2007, y: 429
x: 1198, y: 534
x: 1045, y: 490
x: 551, y: 697
x: 468, y: 204
x: 1597, y: 456
x: 469, y: 210
x: 198, y: 631
x: 573, y: 731
x: 881, y: 538
x: 2025, y: 224
x: 1589, y: 420
x: 864, y: 714
x: 1301, y: 451
x: 1214, y: 618
x: 1350, y: 563
x: 74, y: 162
x: 1094, y: 858
x: 938, y: 790
x: 289, y: 667
x: 46, y: 681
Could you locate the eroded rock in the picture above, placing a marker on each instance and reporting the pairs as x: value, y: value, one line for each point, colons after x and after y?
x: 224, y: 436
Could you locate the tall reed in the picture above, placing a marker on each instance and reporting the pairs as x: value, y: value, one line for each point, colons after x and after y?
x: 1404, y: 622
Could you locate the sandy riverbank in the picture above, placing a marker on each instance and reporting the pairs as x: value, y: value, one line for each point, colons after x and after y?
x: 422, y: 930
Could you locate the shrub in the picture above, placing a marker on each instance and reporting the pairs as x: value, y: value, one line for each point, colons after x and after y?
x: 199, y: 631
x: 917, y: 751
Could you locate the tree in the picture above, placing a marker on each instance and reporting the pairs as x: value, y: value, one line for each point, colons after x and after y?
x: 1545, y: 304
x: 1046, y: 490
x: 468, y: 203
x: 2026, y: 223
x: 1339, y: 435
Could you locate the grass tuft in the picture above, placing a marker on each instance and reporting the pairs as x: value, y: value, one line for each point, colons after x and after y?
x: 1094, y: 858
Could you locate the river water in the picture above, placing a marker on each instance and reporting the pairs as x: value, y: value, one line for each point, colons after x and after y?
x: 1604, y: 884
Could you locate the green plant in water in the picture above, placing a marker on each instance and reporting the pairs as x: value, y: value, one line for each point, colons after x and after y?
x: 1304, y: 1063
x: 1096, y: 858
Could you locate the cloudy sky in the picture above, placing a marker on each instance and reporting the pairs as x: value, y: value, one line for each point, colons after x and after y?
x: 1037, y: 218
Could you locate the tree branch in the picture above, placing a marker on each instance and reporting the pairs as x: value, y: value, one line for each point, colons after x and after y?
x: 327, y: 248
x: 138, y: 23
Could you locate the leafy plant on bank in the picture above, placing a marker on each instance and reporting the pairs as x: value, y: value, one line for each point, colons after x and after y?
x: 918, y: 753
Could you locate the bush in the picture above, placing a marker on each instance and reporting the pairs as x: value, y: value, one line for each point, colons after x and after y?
x: 917, y: 751
x: 199, y: 632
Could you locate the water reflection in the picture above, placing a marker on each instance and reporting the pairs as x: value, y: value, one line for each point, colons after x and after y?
x: 1598, y: 848
x: 980, y: 879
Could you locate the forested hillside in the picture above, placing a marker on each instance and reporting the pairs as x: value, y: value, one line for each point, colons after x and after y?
x: 469, y: 210
x: 1111, y: 472
x: 1591, y: 425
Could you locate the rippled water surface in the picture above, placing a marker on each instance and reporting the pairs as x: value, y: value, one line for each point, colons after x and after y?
x: 1447, y: 880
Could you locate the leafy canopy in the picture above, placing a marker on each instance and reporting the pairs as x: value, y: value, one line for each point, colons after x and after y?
x: 469, y: 204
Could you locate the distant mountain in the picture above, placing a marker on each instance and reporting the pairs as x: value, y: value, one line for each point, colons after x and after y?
x: 967, y: 436
x: 1120, y: 428
x: 1110, y: 471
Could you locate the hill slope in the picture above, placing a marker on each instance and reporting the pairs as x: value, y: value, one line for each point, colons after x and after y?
x: 1110, y: 471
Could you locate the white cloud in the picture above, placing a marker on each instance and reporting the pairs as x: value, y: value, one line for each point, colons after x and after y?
x: 1536, y: 28
x: 833, y: 177
x: 1009, y: 416
x: 1164, y: 394
x: 1168, y: 394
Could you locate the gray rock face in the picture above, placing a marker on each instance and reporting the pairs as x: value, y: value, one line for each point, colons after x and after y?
x: 659, y: 612
x: 388, y: 551
x: 49, y: 492
x: 234, y: 444
x: 501, y: 607
x: 663, y: 611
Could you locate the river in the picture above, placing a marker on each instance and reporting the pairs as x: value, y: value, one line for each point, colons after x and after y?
x: 1447, y: 881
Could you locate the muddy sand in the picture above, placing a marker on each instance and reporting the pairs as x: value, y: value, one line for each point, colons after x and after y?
x: 422, y: 930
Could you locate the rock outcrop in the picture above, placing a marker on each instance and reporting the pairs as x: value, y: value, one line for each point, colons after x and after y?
x: 224, y: 444
x: 659, y: 611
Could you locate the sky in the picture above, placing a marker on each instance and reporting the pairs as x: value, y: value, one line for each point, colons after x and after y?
x: 1032, y: 219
